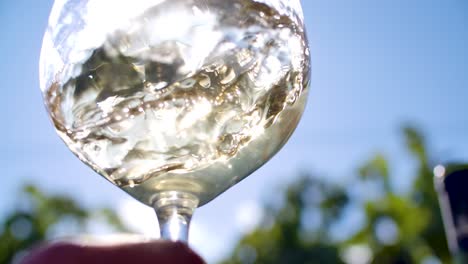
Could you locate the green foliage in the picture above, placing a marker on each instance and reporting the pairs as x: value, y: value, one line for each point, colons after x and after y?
x: 377, y: 169
x: 397, y: 228
x: 28, y: 226
x: 284, y: 241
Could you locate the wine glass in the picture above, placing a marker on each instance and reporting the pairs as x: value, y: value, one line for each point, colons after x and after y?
x: 175, y: 101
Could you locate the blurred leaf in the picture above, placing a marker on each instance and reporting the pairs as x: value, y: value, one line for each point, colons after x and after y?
x: 415, y: 143
x: 377, y: 169
x: 397, y: 228
x: 111, y: 218
x: 24, y: 228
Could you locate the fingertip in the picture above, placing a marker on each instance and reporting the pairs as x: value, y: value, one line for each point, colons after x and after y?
x: 167, y: 252
x: 160, y: 252
x: 191, y: 254
x: 53, y: 254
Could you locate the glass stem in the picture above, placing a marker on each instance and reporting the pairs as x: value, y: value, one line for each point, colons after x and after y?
x: 174, y: 211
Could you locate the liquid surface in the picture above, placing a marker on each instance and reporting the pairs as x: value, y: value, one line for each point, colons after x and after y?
x: 190, y: 96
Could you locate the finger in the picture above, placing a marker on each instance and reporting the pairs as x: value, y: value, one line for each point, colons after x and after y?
x: 158, y: 252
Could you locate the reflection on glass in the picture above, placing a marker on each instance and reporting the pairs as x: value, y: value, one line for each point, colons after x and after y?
x: 175, y: 101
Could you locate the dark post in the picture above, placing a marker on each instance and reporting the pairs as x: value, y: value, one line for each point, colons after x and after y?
x: 451, y: 183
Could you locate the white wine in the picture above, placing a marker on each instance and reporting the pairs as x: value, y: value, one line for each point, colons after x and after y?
x: 188, y: 96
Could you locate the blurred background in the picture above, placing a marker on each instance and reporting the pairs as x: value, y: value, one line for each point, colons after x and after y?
x: 353, y: 185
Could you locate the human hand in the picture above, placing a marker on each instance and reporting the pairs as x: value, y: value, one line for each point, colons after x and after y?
x: 158, y: 252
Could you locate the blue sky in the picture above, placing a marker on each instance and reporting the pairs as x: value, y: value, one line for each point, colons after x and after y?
x: 376, y: 65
